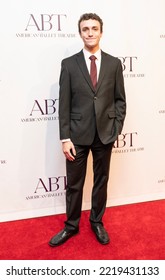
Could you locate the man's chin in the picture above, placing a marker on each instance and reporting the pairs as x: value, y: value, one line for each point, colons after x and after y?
x: 90, y: 46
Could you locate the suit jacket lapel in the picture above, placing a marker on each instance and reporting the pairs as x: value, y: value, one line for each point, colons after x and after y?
x: 82, y: 64
x: 102, y: 69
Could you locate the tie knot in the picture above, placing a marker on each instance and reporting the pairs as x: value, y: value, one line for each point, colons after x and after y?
x: 92, y: 57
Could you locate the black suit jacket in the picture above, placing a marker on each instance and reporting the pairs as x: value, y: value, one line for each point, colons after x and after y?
x: 82, y: 109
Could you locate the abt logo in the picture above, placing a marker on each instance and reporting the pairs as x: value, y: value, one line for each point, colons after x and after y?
x: 52, y: 184
x: 46, y: 22
x: 46, y: 107
x: 125, y: 140
x: 128, y: 62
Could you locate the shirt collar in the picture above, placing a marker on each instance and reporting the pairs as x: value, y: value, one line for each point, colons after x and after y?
x: 88, y: 54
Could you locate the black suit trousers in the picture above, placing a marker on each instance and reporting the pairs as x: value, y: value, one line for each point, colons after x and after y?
x: 76, y: 172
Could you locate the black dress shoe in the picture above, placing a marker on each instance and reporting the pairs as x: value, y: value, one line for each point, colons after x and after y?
x: 101, y: 233
x: 62, y: 236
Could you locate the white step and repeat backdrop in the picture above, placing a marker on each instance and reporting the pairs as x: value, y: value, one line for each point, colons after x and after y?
x: 34, y: 37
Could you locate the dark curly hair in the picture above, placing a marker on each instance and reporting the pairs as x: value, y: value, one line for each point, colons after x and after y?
x: 88, y: 16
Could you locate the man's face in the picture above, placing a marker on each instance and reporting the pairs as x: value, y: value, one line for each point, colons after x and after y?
x: 90, y: 33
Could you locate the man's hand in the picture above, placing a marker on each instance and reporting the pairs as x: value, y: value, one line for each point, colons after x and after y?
x: 69, y: 150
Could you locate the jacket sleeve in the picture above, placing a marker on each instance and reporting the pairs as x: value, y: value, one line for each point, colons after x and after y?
x: 64, y: 102
x: 120, y: 98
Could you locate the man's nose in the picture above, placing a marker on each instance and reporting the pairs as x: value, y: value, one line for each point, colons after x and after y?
x: 90, y: 32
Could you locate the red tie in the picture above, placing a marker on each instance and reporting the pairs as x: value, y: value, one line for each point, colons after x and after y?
x: 93, y: 70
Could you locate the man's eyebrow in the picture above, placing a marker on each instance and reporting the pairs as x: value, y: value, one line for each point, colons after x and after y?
x: 94, y: 26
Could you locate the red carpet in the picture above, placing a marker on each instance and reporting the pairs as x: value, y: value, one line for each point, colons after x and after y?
x: 137, y: 232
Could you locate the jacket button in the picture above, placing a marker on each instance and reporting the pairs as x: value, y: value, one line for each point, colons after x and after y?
x: 95, y: 97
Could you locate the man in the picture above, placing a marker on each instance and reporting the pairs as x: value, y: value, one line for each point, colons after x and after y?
x: 91, y: 116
